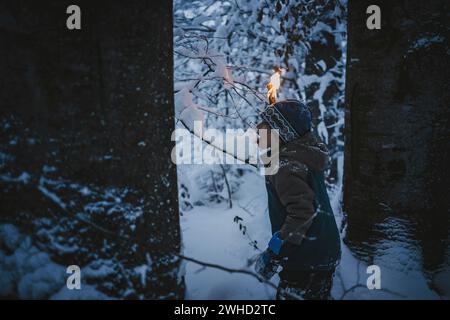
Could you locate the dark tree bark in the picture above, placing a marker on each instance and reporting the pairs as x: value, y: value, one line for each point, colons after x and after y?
x: 397, y: 125
x: 96, y: 105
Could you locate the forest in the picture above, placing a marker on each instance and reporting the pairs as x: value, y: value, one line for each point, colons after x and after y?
x: 87, y: 137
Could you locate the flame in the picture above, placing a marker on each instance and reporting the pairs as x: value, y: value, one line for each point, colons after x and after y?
x: 273, y: 86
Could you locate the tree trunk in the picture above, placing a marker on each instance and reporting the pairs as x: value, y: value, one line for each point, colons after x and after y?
x: 397, y: 126
x: 96, y: 107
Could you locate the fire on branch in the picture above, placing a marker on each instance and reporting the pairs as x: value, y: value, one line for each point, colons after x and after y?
x: 274, y: 85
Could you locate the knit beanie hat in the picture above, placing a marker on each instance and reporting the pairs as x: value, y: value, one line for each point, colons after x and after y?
x: 292, y: 118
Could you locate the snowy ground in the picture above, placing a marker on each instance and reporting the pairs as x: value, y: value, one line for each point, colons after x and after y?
x: 29, y: 273
x: 209, y: 234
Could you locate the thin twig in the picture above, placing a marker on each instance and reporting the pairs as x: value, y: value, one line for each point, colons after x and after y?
x: 240, y: 271
x: 230, y: 203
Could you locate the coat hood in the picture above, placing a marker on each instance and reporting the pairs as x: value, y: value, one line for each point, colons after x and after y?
x: 308, y: 150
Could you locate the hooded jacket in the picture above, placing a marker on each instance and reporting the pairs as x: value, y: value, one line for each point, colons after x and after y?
x: 299, y: 206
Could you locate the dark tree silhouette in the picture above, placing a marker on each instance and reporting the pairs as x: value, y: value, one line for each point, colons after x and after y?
x: 397, y: 125
x: 88, y: 116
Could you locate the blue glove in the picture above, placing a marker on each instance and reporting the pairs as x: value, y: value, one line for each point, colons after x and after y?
x: 269, y: 261
x: 276, y: 243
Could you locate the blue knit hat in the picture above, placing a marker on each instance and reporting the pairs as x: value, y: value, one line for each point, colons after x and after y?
x: 292, y: 118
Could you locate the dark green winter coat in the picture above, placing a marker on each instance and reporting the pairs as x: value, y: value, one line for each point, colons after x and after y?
x: 300, y: 209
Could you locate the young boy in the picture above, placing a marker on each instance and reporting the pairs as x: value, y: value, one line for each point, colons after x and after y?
x: 305, y: 241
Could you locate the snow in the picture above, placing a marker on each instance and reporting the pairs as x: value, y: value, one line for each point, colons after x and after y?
x: 187, y: 111
x: 24, y: 178
x: 52, y: 196
x: 88, y: 292
x: 25, y: 268
x: 98, y: 269
x: 425, y: 42
x: 142, y: 271
x: 29, y: 273
x: 323, y: 132
x: 209, y: 234
x: 44, y: 280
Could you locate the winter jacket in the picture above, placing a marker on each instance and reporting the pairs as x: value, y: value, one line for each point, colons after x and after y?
x: 299, y: 206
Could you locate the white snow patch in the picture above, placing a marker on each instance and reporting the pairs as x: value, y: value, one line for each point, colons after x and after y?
x: 210, y: 235
x: 29, y: 273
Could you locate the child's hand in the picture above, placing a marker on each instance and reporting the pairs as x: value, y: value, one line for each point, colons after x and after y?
x: 267, y: 264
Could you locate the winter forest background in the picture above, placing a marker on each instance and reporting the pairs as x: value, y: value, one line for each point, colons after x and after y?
x: 224, y: 54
